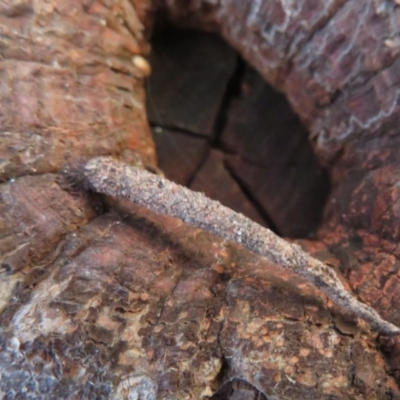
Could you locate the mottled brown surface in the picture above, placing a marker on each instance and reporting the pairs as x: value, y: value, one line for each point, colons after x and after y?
x: 69, y: 89
x: 338, y: 64
x: 134, y: 306
x: 337, y: 61
x: 117, y: 179
x: 112, y: 306
x: 36, y: 218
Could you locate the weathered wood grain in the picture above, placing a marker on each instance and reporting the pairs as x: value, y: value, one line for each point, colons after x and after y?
x: 126, y: 303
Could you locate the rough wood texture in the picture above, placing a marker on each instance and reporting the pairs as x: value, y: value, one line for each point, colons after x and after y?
x: 110, y: 177
x: 69, y: 89
x: 130, y: 304
x: 136, y: 308
x: 338, y: 63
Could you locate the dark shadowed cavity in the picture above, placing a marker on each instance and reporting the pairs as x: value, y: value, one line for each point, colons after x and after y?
x: 220, y: 129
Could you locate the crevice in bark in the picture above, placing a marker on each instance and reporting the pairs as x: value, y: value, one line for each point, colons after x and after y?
x: 233, y: 91
x: 249, y: 194
x: 238, y: 389
x: 242, y: 116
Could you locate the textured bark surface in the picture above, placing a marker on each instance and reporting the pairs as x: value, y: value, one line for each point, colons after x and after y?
x: 338, y: 63
x: 69, y: 89
x: 111, y: 301
x: 133, y: 307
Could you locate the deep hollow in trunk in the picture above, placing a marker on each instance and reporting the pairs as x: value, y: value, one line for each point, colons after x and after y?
x: 99, y: 298
x: 221, y: 130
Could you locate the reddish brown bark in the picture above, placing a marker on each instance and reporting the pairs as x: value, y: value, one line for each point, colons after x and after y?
x: 338, y: 64
x: 69, y: 89
x: 127, y: 303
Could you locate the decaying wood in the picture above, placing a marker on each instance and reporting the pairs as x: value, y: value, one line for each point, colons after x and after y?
x: 338, y: 63
x: 129, y: 304
x: 108, y: 176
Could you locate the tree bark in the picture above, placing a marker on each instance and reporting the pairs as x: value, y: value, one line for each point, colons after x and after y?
x: 338, y: 63
x: 103, y: 299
